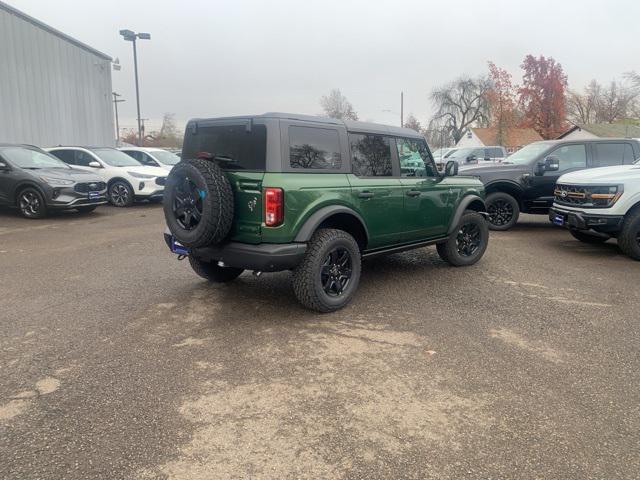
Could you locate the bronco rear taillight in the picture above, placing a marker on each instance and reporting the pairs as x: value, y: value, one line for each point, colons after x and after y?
x: 273, y: 207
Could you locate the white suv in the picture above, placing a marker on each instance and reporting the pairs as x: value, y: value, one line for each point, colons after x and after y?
x: 126, y: 178
x: 153, y: 157
x: 600, y: 203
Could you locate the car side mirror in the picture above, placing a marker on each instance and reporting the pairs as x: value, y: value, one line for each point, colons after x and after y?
x: 4, y: 166
x: 451, y: 169
x: 472, y: 159
x: 551, y: 163
x: 95, y: 164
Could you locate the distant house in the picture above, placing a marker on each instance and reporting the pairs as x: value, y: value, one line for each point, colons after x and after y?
x: 514, y: 139
x: 601, y: 130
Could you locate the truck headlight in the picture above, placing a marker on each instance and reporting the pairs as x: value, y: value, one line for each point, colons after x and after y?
x: 604, y: 195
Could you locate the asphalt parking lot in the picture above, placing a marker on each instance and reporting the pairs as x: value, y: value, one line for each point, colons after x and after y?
x: 117, y: 362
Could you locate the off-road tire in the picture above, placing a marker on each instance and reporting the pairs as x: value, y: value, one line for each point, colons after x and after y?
x: 590, y: 238
x: 115, y: 201
x: 32, y: 195
x: 212, y: 272
x: 306, y: 278
x: 216, y: 202
x: 87, y: 209
x: 628, y: 240
x: 504, y: 200
x: 449, y: 250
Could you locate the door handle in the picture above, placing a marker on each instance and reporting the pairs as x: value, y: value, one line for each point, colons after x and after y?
x: 366, y: 194
x: 413, y: 193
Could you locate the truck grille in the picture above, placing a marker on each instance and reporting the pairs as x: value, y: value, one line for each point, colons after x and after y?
x: 593, y: 196
x: 90, y: 187
x: 571, y: 194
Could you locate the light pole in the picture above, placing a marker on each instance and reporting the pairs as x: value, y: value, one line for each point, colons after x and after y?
x: 130, y: 36
x: 116, y: 101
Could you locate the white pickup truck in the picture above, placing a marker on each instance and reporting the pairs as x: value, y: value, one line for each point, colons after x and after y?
x: 601, y: 203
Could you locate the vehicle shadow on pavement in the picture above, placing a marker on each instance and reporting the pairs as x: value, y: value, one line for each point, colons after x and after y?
x: 608, y: 249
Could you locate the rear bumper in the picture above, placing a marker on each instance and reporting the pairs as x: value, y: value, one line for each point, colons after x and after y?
x: 263, y: 257
x: 586, y: 221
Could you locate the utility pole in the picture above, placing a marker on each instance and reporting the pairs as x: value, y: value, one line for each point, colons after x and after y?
x: 130, y: 36
x: 116, y: 101
x: 401, y: 109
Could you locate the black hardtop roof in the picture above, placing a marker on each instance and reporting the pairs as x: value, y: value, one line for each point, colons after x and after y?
x: 350, y: 125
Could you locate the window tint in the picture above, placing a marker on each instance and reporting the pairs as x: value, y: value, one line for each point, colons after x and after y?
x: 311, y: 147
x: 371, y: 155
x: 146, y: 160
x: 612, y: 154
x: 415, y: 160
x: 571, y: 156
x: 133, y: 154
x: 240, y: 149
x: 82, y: 159
x: 66, y: 156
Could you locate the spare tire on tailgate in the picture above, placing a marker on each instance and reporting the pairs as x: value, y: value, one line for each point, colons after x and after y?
x: 198, y: 203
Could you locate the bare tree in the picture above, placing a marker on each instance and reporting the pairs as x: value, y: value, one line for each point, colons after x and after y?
x: 459, y: 105
x: 412, y: 123
x: 582, y: 107
x: 336, y: 105
x: 598, y: 104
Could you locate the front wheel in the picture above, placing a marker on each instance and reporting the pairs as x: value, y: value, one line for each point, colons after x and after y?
x: 213, y: 272
x: 31, y: 203
x: 120, y: 194
x: 329, y: 274
x: 503, y: 211
x: 589, y: 237
x: 629, y: 238
x: 468, y: 243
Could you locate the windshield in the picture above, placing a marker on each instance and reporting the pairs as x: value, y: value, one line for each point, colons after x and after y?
x: 166, y: 158
x: 450, y: 152
x: 527, y: 154
x: 32, y: 159
x: 115, y: 158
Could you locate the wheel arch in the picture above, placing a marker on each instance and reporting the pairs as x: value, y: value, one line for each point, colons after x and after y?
x: 27, y: 184
x: 469, y: 202
x: 506, y: 186
x: 119, y: 179
x: 340, y: 217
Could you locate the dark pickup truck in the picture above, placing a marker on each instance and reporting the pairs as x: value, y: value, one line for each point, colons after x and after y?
x: 525, y: 181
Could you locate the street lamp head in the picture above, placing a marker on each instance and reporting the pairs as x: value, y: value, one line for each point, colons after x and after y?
x: 144, y: 36
x: 128, y: 35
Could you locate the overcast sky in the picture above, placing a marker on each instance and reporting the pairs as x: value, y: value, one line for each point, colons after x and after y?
x: 214, y: 58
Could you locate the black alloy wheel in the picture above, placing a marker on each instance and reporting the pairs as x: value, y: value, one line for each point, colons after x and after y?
x: 468, y: 239
x: 500, y: 212
x: 187, y: 204
x: 336, y: 271
x: 30, y: 204
x: 119, y: 195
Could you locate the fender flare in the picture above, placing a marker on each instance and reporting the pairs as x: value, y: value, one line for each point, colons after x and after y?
x: 511, y: 183
x: 462, y: 207
x: 311, y: 224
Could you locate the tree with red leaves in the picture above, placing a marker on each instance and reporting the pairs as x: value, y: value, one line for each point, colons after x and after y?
x: 542, y: 96
x: 501, y: 97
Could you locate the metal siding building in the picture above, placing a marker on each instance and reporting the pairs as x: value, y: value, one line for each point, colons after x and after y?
x: 54, y: 90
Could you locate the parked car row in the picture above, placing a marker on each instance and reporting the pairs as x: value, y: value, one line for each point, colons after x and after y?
x: 470, y: 156
x: 79, y: 178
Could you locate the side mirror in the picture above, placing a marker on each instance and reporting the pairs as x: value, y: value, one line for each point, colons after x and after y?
x: 472, y: 159
x: 551, y: 163
x: 451, y: 169
x: 95, y: 164
x: 4, y: 166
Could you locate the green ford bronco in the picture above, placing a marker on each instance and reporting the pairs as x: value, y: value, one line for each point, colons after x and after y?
x: 313, y: 195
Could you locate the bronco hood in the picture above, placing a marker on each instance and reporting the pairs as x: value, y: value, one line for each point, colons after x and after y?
x: 602, y: 175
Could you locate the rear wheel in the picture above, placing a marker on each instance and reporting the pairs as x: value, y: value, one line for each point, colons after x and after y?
x: 329, y: 274
x: 120, y: 194
x: 629, y: 238
x: 213, y: 272
x: 31, y: 203
x: 503, y: 211
x: 589, y: 237
x: 468, y: 244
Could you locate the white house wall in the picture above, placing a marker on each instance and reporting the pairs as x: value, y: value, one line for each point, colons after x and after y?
x: 52, y: 91
x: 469, y: 139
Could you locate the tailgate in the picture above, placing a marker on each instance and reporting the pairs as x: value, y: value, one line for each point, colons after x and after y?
x: 247, y: 218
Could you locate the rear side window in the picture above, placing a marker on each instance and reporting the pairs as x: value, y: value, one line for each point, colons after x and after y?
x: 371, y: 155
x: 237, y: 147
x: 314, y: 148
x: 608, y: 154
x: 66, y: 156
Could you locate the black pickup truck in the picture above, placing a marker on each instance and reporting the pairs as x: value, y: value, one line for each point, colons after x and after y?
x: 525, y: 181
